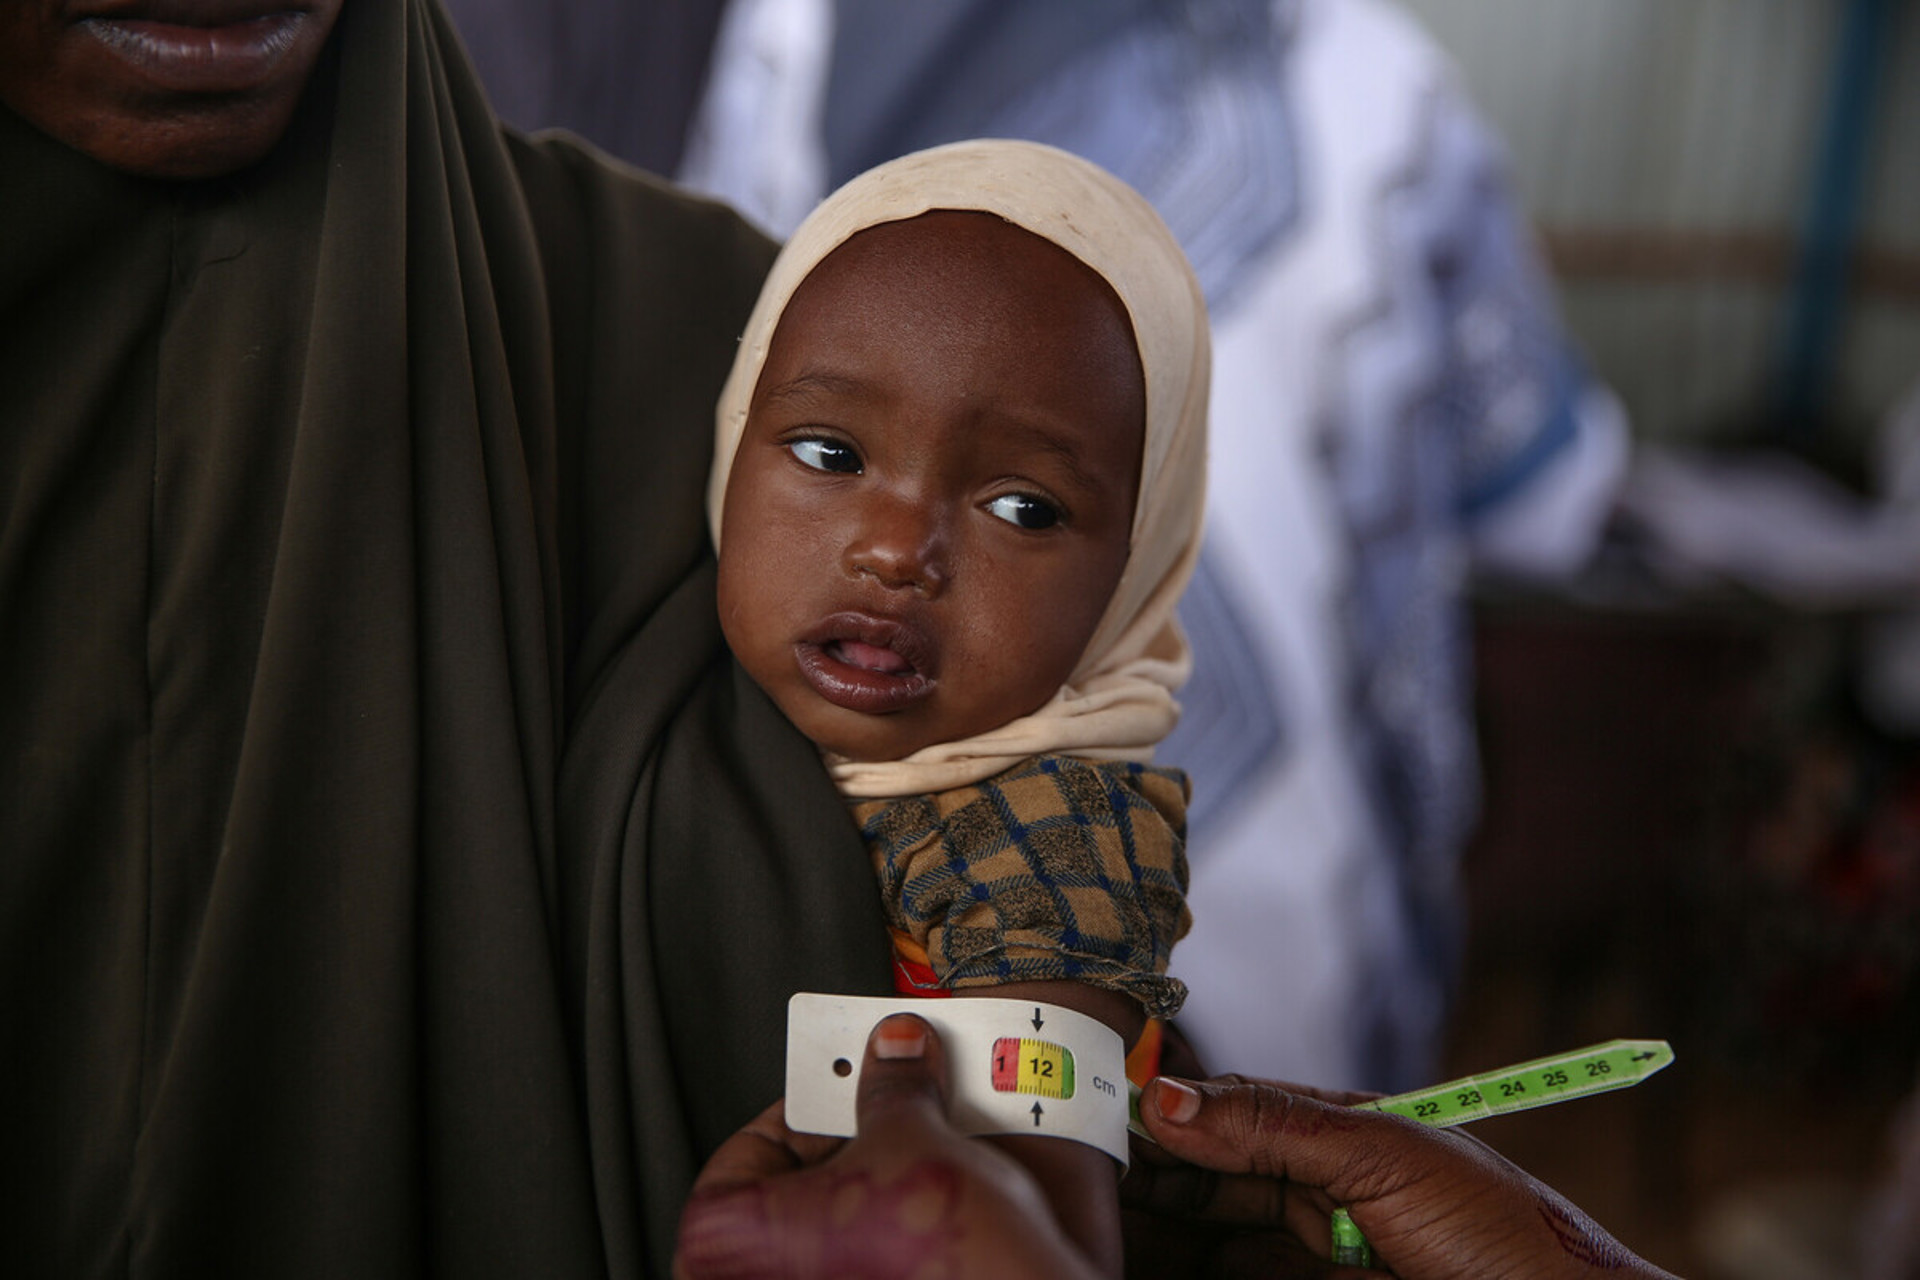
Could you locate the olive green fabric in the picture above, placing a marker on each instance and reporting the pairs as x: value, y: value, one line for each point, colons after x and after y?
x: 374, y: 786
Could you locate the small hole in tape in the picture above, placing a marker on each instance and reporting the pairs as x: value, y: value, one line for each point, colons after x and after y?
x: 842, y: 1068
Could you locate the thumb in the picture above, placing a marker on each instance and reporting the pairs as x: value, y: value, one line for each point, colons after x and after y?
x: 904, y: 1071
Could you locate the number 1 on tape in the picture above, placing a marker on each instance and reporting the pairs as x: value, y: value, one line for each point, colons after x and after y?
x: 1597, y: 1069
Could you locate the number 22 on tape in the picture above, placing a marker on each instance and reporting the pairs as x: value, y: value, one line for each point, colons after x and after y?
x: 1596, y: 1069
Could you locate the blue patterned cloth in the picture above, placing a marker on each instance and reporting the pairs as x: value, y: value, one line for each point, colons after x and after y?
x: 1057, y: 869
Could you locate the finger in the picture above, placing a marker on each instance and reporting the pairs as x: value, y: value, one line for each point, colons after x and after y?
x: 1336, y: 1097
x: 1194, y: 1194
x: 905, y: 1070
x: 1423, y: 1196
x: 1268, y: 1256
x: 726, y: 1227
x: 1263, y: 1130
x: 763, y: 1148
x: 1205, y: 1195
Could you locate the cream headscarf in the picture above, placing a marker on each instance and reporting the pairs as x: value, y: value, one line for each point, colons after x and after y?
x: 1119, y: 700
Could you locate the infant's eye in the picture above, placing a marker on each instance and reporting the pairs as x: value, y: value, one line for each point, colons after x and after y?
x: 825, y: 455
x: 1025, y: 510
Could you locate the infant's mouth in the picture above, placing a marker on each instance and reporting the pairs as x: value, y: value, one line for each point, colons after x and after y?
x: 866, y: 664
x: 870, y: 657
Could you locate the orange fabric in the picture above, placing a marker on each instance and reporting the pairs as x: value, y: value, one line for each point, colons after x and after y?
x: 913, y: 974
x: 1143, y: 1060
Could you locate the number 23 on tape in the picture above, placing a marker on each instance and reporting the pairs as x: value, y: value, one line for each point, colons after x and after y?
x: 1565, y: 1076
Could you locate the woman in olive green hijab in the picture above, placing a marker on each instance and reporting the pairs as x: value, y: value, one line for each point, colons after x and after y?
x: 360, y: 692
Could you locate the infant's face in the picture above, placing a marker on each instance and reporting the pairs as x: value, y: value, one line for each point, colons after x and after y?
x: 932, y: 501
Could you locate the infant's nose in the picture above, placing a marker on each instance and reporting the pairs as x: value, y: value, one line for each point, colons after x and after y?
x: 902, y: 545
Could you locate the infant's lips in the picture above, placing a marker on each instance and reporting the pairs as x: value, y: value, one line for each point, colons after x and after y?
x: 875, y: 665
x: 874, y: 642
x: 872, y: 657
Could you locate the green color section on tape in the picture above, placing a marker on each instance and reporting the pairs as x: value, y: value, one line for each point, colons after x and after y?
x: 1613, y: 1065
x: 1350, y: 1247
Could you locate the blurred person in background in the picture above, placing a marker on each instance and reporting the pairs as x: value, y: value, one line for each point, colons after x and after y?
x: 1397, y: 407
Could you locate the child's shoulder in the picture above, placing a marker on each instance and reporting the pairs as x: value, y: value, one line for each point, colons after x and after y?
x: 1086, y: 787
x: 1040, y: 791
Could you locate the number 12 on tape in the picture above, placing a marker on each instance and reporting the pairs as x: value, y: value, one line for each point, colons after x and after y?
x: 1013, y: 1066
x: 1032, y: 1066
x: 1596, y: 1069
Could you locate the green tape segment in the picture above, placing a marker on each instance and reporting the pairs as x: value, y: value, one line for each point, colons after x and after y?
x: 1602, y: 1067
x: 1579, y: 1074
x: 1350, y: 1247
x: 1596, y: 1069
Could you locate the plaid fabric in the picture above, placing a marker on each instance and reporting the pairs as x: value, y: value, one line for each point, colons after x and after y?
x: 1056, y: 869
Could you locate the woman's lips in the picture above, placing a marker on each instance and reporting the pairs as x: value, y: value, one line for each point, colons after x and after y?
x: 865, y: 664
x: 177, y: 50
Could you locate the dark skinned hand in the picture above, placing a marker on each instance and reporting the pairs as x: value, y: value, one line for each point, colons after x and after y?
x: 1255, y: 1169
x: 1241, y: 1184
x: 909, y: 1196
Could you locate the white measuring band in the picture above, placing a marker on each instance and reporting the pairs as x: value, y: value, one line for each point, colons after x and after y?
x: 1013, y: 1066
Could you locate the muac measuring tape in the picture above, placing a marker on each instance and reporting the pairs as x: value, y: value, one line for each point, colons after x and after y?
x: 1524, y: 1085
x: 1013, y: 1066
x: 1019, y: 1067
x: 1596, y: 1069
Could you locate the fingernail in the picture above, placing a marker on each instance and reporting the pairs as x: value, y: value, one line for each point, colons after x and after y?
x: 1177, y: 1103
x: 900, y: 1038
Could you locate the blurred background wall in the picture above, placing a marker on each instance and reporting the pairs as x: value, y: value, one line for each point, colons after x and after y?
x: 1678, y: 156
x: 1728, y: 192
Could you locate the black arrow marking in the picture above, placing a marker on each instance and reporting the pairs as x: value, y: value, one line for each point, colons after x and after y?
x: 1037, y: 1024
x: 1037, y: 1113
x: 1641, y: 1057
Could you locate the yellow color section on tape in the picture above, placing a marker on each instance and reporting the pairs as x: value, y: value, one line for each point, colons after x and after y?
x: 1032, y: 1066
